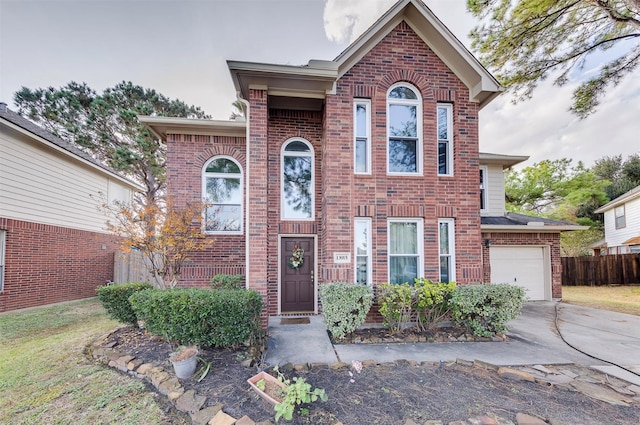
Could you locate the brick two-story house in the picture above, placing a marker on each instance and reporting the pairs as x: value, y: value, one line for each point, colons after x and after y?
x: 369, y: 163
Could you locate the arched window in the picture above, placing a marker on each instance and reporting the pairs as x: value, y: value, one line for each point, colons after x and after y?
x: 404, y: 130
x: 222, y: 191
x: 297, y: 180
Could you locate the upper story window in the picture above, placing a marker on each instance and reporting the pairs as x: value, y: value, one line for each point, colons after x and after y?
x: 404, y: 130
x: 297, y: 180
x: 620, y: 217
x: 445, y: 139
x: 483, y: 188
x: 222, y: 190
x: 362, y: 136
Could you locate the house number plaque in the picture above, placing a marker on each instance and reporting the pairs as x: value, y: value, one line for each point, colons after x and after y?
x: 341, y: 257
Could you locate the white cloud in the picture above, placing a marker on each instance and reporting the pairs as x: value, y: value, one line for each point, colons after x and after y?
x: 345, y: 20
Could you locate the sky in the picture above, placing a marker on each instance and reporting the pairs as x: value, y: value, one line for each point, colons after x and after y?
x: 180, y: 48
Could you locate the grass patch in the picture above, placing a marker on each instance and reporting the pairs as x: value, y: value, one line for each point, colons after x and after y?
x: 46, y: 378
x: 620, y: 298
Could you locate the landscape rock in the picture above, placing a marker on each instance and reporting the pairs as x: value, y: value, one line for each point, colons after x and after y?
x: 168, y: 386
x: 222, y: 418
x: 145, y: 368
x: 245, y: 420
x: 515, y: 374
x: 524, y: 419
x: 190, y: 402
x: 600, y: 393
x: 202, y: 417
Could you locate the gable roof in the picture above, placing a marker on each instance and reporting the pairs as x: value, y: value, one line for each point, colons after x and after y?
x: 312, y: 82
x: 36, y: 132
x: 630, y: 195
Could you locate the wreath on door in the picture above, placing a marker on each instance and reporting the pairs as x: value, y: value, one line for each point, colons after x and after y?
x: 297, y: 257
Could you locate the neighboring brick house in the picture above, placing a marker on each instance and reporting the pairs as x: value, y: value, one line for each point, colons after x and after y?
x: 52, y: 244
x: 369, y: 163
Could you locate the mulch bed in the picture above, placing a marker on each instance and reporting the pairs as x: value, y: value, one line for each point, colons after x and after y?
x: 383, y: 394
x: 382, y: 335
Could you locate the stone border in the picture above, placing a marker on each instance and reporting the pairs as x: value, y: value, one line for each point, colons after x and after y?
x: 165, y: 382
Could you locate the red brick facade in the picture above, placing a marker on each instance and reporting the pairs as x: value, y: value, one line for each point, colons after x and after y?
x: 47, y: 264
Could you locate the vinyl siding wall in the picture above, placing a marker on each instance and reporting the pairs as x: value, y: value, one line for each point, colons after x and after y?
x: 495, y: 191
x: 39, y: 184
x: 615, y: 237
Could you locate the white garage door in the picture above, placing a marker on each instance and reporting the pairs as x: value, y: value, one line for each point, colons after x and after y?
x: 522, y: 266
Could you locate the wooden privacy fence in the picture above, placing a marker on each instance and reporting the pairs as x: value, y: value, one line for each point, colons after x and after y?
x: 130, y: 267
x: 601, y: 270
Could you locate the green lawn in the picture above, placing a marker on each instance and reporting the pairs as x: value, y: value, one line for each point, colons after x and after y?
x: 46, y: 378
x: 620, y: 298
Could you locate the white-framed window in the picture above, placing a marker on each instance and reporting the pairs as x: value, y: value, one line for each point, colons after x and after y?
x: 445, y: 139
x: 362, y: 250
x: 634, y: 249
x: 3, y: 243
x: 404, y: 130
x: 619, y: 215
x: 362, y: 136
x: 222, y: 191
x: 405, y: 239
x: 298, y: 187
x: 483, y: 188
x: 447, y: 250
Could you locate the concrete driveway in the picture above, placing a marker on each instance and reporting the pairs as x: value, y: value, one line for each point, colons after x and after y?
x: 534, y: 339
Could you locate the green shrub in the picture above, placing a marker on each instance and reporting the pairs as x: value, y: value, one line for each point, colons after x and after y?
x: 115, y: 299
x: 227, y: 281
x: 345, y: 306
x: 486, y: 309
x: 210, y: 318
x: 431, y: 302
x: 396, y: 305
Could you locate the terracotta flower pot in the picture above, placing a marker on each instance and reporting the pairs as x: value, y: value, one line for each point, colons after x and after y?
x: 272, y: 387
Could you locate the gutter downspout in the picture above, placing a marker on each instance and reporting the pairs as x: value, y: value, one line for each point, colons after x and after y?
x: 247, y: 172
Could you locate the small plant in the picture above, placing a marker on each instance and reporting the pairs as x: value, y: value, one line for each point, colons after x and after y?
x: 396, y: 305
x: 115, y: 299
x: 298, y: 391
x: 227, y: 281
x: 261, y: 384
x: 345, y: 306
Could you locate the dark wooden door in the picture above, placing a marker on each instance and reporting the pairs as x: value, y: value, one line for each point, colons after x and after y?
x: 297, y: 289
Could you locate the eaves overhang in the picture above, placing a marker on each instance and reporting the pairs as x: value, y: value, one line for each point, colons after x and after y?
x: 482, y: 85
x: 507, y: 161
x: 620, y: 200
x: 161, y: 126
x: 503, y: 228
x: 312, y: 81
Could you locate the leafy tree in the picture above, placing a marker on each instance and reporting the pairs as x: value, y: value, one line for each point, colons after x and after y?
x: 164, y: 236
x: 553, y: 188
x: 622, y: 175
x: 106, y: 125
x: 524, y: 41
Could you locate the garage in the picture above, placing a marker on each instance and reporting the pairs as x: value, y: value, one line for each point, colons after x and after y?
x: 525, y: 266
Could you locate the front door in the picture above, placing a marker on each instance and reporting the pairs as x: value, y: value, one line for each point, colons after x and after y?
x: 297, y: 289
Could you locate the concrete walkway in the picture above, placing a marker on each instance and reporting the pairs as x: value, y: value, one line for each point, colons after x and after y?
x: 613, y: 337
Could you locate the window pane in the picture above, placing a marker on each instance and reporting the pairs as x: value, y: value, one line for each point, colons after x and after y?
x: 223, y: 190
x: 297, y: 186
x: 223, y: 217
x: 362, y: 267
x: 361, y: 155
x: 361, y: 237
x: 402, y: 121
x: 443, y: 163
x: 402, y: 156
x: 445, y: 266
x: 403, y: 238
x: 297, y: 147
x: 443, y: 123
x: 403, y: 269
x: 444, y: 238
x: 361, y: 121
x: 402, y: 93
x: 223, y: 165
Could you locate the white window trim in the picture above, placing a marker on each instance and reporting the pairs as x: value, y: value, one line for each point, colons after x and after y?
x: 367, y: 222
x: 452, y: 248
x: 205, y: 175
x: 310, y: 154
x: 420, y: 254
x: 3, y: 244
x: 484, y: 185
x: 411, y: 102
x: 449, y: 140
x: 623, y: 216
x: 367, y: 104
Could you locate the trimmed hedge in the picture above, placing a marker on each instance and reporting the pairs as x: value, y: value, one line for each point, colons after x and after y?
x: 486, y: 309
x: 227, y: 281
x: 205, y: 317
x: 115, y: 299
x: 345, y: 306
